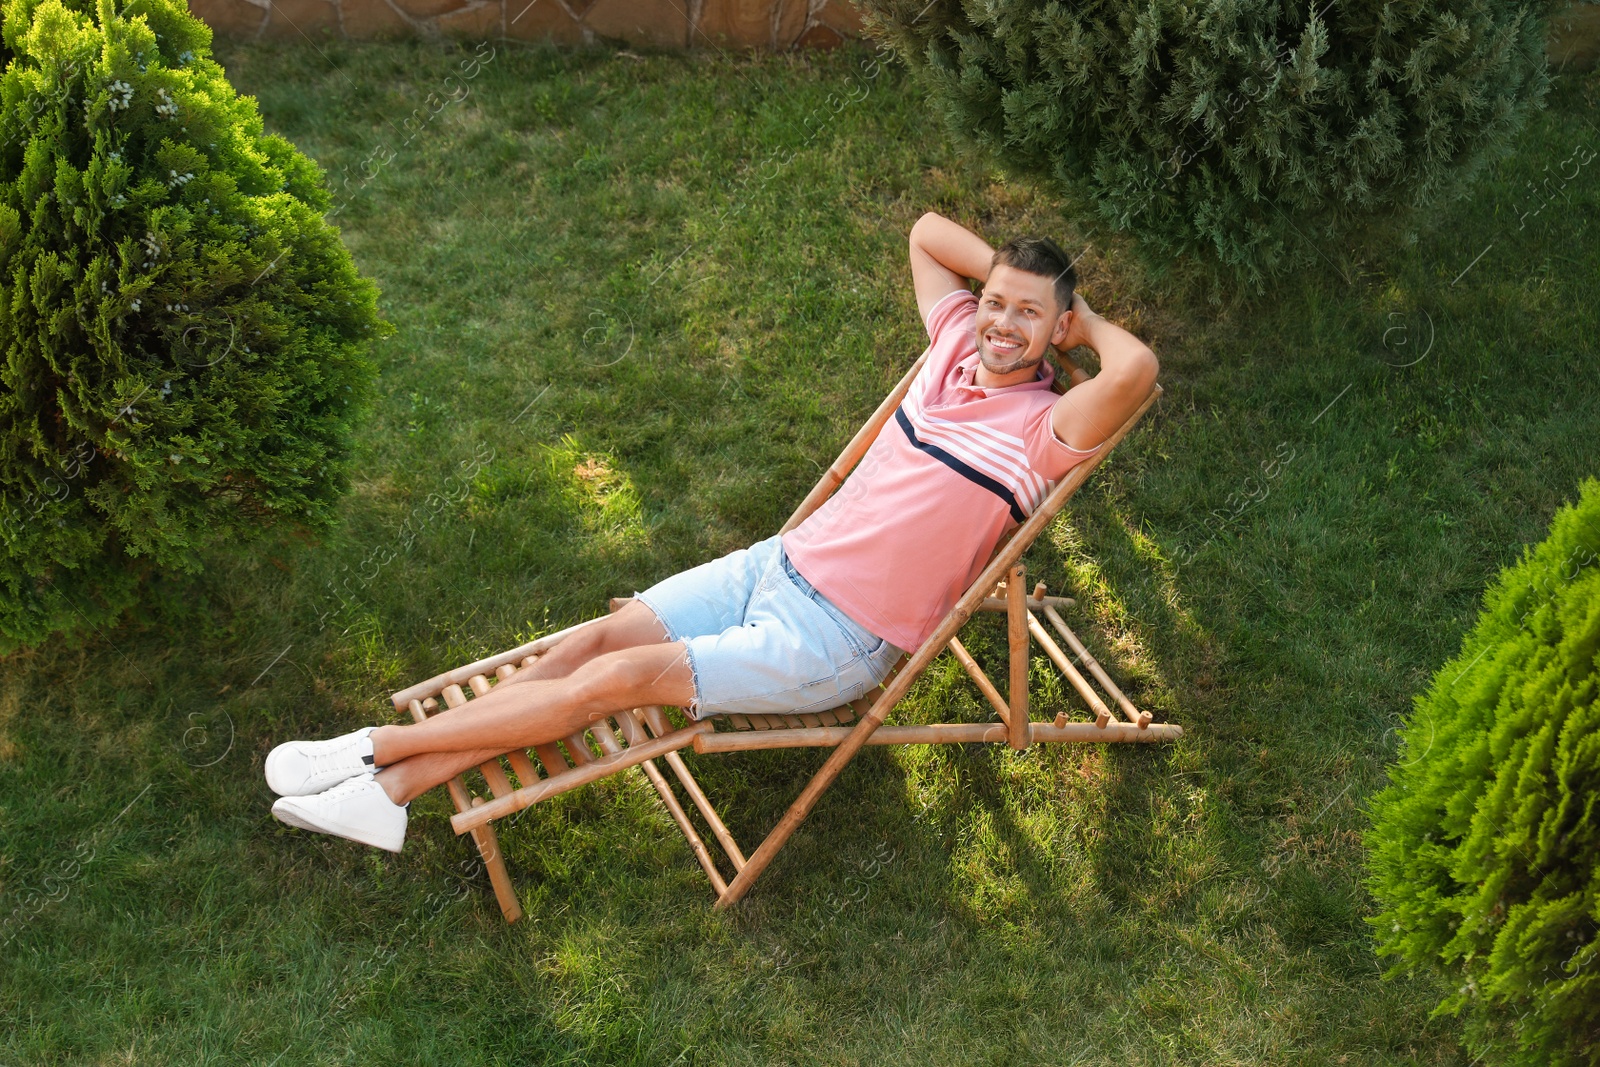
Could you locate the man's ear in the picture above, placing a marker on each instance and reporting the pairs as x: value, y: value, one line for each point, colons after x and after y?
x: 1063, y: 324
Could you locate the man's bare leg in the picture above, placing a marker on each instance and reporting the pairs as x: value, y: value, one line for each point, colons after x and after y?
x: 633, y: 625
x: 527, y: 714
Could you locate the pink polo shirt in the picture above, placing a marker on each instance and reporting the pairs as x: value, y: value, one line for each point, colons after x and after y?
x: 956, y: 467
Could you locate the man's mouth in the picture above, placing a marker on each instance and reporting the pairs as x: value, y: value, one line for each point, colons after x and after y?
x: 1006, y: 345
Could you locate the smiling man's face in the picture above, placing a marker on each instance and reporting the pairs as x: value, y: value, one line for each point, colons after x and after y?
x: 1017, y: 320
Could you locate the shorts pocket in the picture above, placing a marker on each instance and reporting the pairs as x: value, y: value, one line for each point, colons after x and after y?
x: 855, y: 678
x: 862, y: 644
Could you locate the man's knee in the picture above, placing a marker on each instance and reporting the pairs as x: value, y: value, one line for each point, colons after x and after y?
x: 629, y: 626
x: 608, y: 634
x: 615, y: 679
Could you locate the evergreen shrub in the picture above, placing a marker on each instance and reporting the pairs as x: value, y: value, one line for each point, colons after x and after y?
x: 1485, y: 844
x: 184, y: 336
x: 1243, y: 138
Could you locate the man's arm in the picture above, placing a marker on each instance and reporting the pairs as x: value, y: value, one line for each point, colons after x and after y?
x: 1088, y: 414
x: 944, y: 254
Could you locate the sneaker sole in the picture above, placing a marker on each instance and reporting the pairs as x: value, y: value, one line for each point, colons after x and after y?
x: 300, y: 820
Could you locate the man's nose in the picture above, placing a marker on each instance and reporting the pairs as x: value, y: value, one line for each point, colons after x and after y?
x: 1005, y: 323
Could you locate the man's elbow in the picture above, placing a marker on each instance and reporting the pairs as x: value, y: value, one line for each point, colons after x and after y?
x: 922, y: 223
x: 1142, y: 367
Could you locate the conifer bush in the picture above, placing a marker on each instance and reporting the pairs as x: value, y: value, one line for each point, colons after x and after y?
x: 1485, y: 845
x: 1242, y: 139
x: 184, y: 334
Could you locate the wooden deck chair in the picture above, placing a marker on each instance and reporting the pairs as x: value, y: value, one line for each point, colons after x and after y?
x: 640, y: 736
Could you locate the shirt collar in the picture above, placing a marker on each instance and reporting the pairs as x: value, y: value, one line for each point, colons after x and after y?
x: 967, y: 370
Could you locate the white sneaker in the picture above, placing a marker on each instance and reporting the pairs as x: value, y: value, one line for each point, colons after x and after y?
x: 300, y: 768
x: 356, y: 809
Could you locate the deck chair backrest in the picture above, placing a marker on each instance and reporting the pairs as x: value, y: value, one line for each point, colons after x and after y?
x: 1005, y: 556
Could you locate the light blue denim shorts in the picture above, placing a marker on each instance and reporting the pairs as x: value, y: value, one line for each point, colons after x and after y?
x: 761, y: 640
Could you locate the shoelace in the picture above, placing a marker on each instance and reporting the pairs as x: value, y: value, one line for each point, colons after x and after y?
x: 337, y: 761
x: 349, y: 785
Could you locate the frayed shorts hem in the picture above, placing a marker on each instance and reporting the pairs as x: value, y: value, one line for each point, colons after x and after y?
x: 761, y: 640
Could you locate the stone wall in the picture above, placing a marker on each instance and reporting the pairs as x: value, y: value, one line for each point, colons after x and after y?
x: 773, y: 25
x: 764, y: 24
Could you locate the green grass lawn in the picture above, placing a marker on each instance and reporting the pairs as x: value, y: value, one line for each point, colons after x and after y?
x: 641, y: 302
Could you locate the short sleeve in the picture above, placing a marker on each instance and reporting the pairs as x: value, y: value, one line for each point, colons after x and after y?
x: 1053, y: 456
x: 949, y: 309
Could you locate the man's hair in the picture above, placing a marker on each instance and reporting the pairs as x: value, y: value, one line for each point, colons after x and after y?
x: 1040, y: 255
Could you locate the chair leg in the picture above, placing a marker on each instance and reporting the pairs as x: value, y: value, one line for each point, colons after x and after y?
x: 797, y: 812
x: 489, y: 848
x: 679, y: 816
x: 1134, y: 715
x: 483, y: 836
x: 1017, y: 632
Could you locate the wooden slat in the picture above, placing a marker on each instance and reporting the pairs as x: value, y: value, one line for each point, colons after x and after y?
x: 493, y: 773
x: 1102, y: 714
x: 632, y: 726
x: 551, y: 758
x: 1133, y: 714
x: 994, y: 603
x: 578, y: 750
x: 608, y: 740
x: 522, y: 767
x: 739, y: 722
x: 810, y: 720
x: 1017, y: 638
x: 974, y: 671
x: 529, y: 795
x: 657, y: 720
x: 947, y: 733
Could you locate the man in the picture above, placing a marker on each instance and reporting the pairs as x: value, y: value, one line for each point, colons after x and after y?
x: 817, y: 617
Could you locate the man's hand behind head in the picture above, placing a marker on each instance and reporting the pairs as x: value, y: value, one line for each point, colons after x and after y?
x: 1086, y: 417
x: 1077, y: 323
